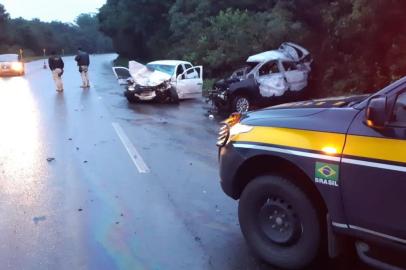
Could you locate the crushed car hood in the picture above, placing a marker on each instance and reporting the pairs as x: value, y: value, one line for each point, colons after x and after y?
x: 146, y: 77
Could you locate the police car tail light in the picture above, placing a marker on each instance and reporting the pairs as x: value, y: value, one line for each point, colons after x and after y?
x: 330, y: 150
x: 224, y: 134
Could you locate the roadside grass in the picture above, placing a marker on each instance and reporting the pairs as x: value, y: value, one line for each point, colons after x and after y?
x: 121, y: 61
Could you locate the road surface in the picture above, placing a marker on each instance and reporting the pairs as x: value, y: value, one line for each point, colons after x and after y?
x: 89, y: 181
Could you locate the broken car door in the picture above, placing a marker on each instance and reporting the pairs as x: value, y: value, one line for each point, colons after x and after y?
x: 122, y: 74
x: 190, y: 83
x: 271, y: 81
x: 296, y: 77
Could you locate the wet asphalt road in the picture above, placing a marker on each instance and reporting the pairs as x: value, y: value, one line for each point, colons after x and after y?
x: 92, y: 207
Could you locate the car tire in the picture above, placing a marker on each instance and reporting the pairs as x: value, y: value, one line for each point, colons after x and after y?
x: 131, y: 98
x: 174, y: 98
x: 241, y: 104
x: 279, y: 222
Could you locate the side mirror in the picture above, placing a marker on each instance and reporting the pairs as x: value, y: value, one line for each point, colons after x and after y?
x: 376, y: 115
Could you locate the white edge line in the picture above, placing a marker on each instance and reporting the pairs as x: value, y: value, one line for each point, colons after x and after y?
x: 131, y: 150
x: 374, y: 165
x: 287, y: 151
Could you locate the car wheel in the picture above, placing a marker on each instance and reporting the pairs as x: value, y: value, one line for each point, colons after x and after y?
x: 131, y: 98
x: 174, y: 98
x: 279, y: 222
x: 241, y: 104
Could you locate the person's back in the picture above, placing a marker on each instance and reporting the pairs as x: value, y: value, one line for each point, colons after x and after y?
x: 83, y: 59
x: 55, y: 62
x: 56, y: 65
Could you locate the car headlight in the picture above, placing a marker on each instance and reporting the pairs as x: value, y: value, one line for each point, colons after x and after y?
x: 16, y: 66
x: 239, y: 129
x: 131, y: 88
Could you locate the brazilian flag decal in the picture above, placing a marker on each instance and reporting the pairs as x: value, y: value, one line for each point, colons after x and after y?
x: 327, y: 174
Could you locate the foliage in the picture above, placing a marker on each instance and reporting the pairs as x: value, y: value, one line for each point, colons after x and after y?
x: 358, y: 45
x: 34, y: 35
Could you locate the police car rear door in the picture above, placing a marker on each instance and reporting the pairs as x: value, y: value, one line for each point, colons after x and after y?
x: 373, y: 173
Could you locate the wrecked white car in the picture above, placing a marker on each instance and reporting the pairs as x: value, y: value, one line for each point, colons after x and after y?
x: 269, y: 78
x: 163, y: 81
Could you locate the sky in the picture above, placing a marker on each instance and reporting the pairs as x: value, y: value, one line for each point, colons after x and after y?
x: 51, y: 10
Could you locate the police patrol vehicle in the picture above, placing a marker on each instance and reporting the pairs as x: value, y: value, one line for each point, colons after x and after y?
x: 307, y: 173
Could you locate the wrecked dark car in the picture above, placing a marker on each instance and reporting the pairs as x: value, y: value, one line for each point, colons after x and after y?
x: 269, y: 78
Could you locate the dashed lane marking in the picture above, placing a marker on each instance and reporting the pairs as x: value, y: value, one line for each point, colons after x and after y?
x: 132, y: 151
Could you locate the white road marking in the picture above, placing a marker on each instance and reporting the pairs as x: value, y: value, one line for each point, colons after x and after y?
x: 134, y: 155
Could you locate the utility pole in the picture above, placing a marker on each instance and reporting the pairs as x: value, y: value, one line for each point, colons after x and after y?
x: 21, y: 55
x: 45, y: 63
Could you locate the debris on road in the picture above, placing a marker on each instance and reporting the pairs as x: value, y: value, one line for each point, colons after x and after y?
x: 38, y: 219
x: 50, y: 159
x: 80, y: 210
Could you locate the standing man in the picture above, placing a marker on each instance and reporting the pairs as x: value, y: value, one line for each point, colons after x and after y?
x: 83, y: 61
x: 56, y: 65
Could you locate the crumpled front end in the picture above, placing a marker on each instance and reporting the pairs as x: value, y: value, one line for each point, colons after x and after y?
x: 159, y: 92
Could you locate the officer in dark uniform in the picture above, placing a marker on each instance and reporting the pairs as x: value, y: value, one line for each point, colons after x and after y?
x: 56, y: 65
x: 83, y: 61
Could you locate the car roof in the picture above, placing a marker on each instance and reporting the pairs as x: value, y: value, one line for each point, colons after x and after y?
x: 169, y: 62
x: 8, y: 57
x: 268, y: 56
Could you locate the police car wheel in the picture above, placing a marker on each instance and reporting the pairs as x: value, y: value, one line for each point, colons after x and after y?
x: 279, y: 222
x: 241, y: 104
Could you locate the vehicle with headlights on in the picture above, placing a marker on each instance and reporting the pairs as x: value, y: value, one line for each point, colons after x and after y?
x: 309, y: 173
x: 163, y: 81
x: 11, y: 65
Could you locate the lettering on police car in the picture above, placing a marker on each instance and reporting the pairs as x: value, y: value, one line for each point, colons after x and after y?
x: 326, y: 174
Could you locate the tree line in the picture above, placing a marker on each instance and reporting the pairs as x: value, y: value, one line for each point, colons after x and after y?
x: 34, y: 35
x: 358, y: 46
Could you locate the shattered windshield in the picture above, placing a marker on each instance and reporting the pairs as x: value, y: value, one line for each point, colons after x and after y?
x: 168, y: 69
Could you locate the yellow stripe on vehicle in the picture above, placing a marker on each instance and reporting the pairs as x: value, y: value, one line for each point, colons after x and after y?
x: 376, y: 148
x: 296, y: 138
